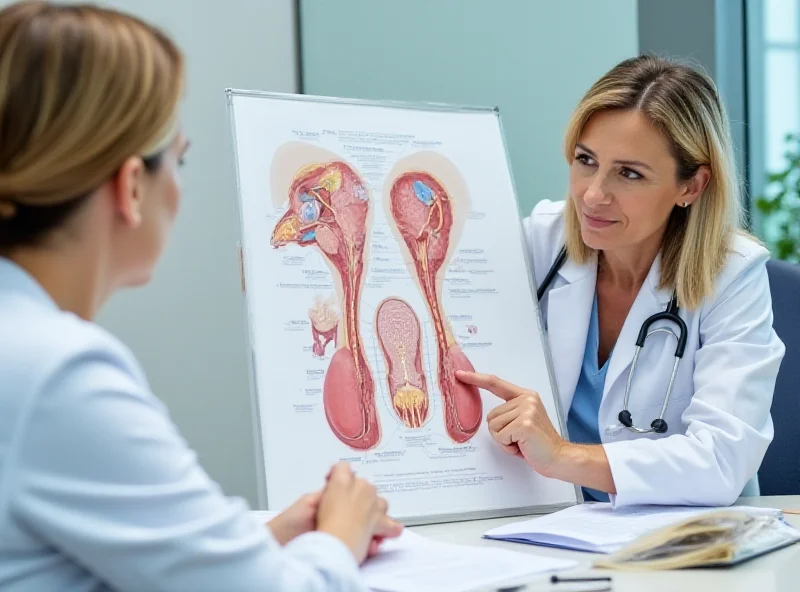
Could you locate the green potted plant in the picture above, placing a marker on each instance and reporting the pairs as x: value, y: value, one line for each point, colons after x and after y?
x: 780, y: 206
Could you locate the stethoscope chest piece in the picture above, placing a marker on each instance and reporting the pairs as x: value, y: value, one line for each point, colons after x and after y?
x: 658, y: 425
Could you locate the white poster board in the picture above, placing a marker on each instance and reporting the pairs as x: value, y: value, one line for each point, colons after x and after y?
x: 382, y: 249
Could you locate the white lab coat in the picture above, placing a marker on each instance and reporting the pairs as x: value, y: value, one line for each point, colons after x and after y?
x: 719, y: 413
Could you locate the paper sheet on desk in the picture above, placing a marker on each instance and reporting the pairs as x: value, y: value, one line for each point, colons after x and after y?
x: 413, y: 563
x: 599, y: 528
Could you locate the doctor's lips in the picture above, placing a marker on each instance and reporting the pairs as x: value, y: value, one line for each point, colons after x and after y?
x: 597, y: 222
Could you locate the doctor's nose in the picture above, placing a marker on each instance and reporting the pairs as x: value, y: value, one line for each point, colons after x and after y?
x: 596, y: 193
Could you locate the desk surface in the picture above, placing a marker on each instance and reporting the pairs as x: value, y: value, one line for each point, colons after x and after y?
x: 775, y: 572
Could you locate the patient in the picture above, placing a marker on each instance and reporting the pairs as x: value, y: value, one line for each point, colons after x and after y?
x: 98, y: 490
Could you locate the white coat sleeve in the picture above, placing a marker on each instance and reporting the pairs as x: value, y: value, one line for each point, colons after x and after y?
x: 102, y: 474
x: 728, y: 421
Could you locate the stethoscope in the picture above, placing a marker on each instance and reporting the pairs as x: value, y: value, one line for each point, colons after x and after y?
x: 670, y: 315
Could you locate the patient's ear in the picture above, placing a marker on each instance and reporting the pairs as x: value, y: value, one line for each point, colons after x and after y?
x: 128, y: 191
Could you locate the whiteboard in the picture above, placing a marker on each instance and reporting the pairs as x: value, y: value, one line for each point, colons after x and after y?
x: 382, y: 249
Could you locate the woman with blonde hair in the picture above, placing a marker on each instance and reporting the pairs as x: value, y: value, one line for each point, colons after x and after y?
x: 98, y: 490
x: 648, y: 241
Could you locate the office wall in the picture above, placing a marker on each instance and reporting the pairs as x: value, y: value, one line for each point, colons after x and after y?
x: 680, y: 28
x: 532, y: 59
x: 187, y: 327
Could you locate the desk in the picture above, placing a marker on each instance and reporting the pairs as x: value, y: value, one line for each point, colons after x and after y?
x: 776, y: 572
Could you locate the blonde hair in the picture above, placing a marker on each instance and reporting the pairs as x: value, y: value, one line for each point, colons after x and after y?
x: 82, y: 88
x: 684, y: 105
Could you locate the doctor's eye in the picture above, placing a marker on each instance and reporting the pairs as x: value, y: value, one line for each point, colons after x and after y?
x: 630, y: 174
x: 584, y: 159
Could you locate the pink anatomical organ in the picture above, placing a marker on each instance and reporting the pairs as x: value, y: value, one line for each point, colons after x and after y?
x: 422, y: 210
x: 324, y: 324
x: 400, y: 339
x: 329, y: 207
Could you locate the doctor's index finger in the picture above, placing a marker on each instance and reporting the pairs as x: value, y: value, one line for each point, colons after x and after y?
x: 503, y: 389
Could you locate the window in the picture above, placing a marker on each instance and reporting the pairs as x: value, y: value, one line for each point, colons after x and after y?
x: 773, y: 93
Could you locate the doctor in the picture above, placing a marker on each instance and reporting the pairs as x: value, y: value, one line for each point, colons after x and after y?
x: 653, y: 212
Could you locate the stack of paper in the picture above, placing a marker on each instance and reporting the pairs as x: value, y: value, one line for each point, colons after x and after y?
x: 600, y: 529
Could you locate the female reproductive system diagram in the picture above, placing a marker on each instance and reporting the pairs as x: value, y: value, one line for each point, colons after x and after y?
x: 330, y: 208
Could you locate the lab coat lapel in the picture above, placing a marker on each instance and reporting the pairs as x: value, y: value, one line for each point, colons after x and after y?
x: 649, y: 301
x: 568, y: 309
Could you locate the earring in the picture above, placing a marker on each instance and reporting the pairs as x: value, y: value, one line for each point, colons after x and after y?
x: 686, y: 204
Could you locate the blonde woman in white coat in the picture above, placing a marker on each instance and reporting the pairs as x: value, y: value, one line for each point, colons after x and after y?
x: 653, y: 211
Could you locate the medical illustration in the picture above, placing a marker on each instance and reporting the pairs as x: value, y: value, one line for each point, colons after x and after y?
x: 329, y: 209
x: 426, y: 216
x: 324, y: 323
x: 400, y: 338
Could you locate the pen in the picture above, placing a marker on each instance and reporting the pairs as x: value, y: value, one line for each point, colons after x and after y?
x: 556, y: 579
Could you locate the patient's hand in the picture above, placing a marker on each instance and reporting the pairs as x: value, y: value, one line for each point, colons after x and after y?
x: 297, y: 519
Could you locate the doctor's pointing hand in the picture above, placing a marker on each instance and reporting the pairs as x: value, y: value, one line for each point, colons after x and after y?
x: 520, y: 425
x: 522, y: 428
x: 655, y: 302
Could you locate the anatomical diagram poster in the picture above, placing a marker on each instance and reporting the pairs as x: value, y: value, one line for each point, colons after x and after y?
x: 382, y: 252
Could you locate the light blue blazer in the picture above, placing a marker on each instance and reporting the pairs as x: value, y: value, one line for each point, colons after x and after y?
x: 98, y: 491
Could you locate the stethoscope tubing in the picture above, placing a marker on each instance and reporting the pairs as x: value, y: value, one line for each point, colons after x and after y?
x: 671, y: 315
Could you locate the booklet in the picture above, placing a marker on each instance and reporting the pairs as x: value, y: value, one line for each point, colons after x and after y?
x: 598, y: 528
x: 712, y: 539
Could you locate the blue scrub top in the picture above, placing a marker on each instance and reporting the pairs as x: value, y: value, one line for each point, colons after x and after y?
x: 582, y: 421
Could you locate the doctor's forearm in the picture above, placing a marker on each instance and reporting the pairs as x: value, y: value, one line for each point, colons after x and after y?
x: 584, y: 465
